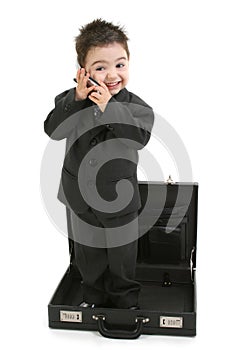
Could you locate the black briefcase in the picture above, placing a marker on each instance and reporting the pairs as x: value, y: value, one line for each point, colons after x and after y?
x: 166, y: 268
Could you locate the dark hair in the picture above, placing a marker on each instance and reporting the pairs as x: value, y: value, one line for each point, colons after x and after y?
x: 98, y: 33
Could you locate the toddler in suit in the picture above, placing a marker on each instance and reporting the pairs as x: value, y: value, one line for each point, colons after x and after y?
x: 104, y: 125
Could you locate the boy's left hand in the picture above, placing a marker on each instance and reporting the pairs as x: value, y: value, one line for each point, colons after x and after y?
x: 100, y: 96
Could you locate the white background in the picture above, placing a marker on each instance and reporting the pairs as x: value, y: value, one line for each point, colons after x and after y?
x: 181, y: 64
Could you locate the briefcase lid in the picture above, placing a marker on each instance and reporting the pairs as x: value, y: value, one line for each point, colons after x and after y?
x: 169, y: 211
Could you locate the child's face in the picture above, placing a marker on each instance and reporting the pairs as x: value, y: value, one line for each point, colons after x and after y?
x: 110, y: 65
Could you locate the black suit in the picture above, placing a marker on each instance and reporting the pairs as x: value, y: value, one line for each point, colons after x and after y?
x: 101, y: 150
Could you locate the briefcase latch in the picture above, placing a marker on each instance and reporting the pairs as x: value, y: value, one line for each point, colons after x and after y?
x: 169, y: 180
x: 166, y: 280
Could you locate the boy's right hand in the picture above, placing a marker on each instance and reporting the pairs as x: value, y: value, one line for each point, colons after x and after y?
x: 82, y: 90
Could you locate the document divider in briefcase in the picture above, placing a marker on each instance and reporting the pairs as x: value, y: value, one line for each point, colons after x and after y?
x: 166, y: 268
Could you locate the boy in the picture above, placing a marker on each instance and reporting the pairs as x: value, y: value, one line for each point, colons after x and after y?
x: 104, y: 126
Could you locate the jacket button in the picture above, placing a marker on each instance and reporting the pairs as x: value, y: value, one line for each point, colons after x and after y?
x: 66, y: 108
x: 93, y: 142
x: 97, y: 112
x: 93, y: 162
x: 109, y: 127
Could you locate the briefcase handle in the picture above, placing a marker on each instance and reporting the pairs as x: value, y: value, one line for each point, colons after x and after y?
x: 124, y: 333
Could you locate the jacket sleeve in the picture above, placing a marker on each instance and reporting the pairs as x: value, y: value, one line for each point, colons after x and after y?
x: 129, y: 121
x: 63, y: 118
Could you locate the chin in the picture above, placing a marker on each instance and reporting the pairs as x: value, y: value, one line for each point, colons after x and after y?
x: 116, y: 91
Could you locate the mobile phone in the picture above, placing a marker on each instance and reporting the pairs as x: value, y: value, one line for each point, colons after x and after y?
x: 90, y: 82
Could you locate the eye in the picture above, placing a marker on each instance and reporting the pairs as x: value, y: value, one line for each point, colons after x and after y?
x: 120, y: 65
x: 100, y: 68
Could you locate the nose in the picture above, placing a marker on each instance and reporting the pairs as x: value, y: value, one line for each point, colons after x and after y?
x: 111, y: 74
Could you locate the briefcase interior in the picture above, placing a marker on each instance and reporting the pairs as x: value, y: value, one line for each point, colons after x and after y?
x: 166, y: 268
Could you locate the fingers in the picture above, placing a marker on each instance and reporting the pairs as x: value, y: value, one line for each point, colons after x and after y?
x: 82, y: 77
x: 95, y: 94
x: 91, y: 89
x: 102, y: 84
x: 98, y: 91
x: 99, y: 95
x: 82, y: 90
x: 78, y: 75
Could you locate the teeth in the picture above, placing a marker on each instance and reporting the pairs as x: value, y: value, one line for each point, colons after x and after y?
x: 112, y: 84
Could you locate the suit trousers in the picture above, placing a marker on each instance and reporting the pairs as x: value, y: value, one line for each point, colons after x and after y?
x: 105, y: 253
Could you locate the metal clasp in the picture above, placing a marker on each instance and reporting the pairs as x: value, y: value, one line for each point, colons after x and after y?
x: 96, y: 317
x: 166, y: 280
x: 143, y: 319
x: 191, y: 263
x: 169, y: 181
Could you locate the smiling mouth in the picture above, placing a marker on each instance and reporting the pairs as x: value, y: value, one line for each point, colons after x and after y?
x: 113, y: 84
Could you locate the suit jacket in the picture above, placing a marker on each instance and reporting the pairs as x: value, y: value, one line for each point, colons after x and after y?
x: 100, y: 163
